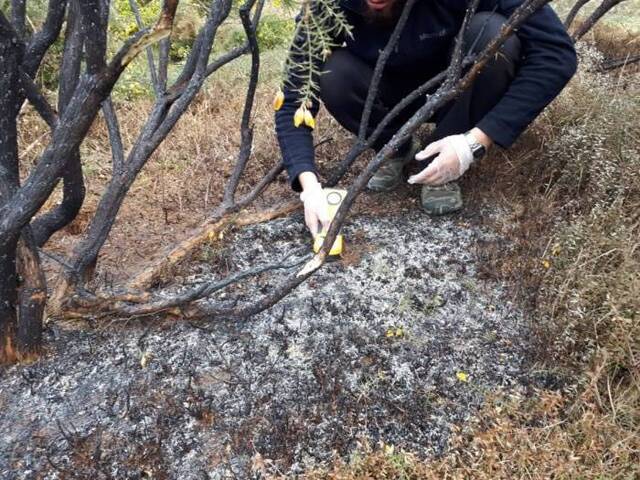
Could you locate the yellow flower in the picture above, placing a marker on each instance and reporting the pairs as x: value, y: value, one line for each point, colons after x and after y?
x: 278, y: 101
x: 298, y: 118
x: 399, y: 332
x: 546, y: 264
x: 145, y: 359
x: 390, y: 333
x: 309, y: 121
x: 463, y: 377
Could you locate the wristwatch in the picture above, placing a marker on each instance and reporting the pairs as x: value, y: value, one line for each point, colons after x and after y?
x: 477, y: 149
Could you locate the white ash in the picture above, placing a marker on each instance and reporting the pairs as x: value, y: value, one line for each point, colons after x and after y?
x: 296, y: 384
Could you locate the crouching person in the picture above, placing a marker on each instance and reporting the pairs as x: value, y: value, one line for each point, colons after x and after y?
x: 530, y: 70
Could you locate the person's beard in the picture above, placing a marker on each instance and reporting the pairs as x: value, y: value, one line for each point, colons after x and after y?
x: 387, y: 17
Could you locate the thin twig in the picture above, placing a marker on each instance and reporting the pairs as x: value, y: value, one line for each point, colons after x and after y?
x: 149, y: 50
x: 379, y: 68
x: 246, y: 130
x: 573, y: 13
x: 115, y: 138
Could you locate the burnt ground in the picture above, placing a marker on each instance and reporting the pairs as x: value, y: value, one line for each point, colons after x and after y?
x: 398, y: 343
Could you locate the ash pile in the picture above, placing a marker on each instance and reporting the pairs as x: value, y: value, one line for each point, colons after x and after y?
x: 397, y: 343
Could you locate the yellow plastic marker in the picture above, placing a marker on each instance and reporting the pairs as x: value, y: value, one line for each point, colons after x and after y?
x: 334, y: 199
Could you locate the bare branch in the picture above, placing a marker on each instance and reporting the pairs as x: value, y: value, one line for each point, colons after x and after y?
x: 163, y: 62
x: 621, y: 62
x: 379, y: 68
x: 573, y: 13
x: 260, y: 186
x: 149, y: 51
x: 160, y: 31
x: 18, y: 17
x: 38, y: 100
x: 455, y: 67
x: 598, y: 13
x: 115, y: 139
x: 246, y: 130
x: 205, y: 232
x: 238, y: 51
x: 132, y: 305
x: 42, y: 40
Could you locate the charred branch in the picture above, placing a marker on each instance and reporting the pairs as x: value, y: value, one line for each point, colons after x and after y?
x: 9, y: 179
x: 379, y: 69
x: 620, y: 62
x: 598, y: 13
x: 573, y: 13
x: 115, y: 138
x: 246, y: 130
x: 76, y: 120
x: 42, y: 40
x: 74, y: 190
x: 130, y: 305
x: 94, y: 19
x: 19, y: 16
x: 38, y: 100
x: 149, y: 51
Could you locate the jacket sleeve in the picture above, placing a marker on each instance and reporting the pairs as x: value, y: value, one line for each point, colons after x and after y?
x: 296, y: 143
x: 549, y: 61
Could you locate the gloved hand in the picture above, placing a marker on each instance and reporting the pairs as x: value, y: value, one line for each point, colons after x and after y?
x: 453, y: 160
x: 315, y: 207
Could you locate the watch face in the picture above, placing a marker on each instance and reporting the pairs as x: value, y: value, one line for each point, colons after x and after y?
x: 477, y: 150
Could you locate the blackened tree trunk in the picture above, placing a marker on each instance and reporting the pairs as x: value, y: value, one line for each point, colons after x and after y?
x: 32, y: 297
x: 9, y: 61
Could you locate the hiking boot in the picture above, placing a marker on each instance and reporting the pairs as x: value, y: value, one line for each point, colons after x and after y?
x: 390, y: 175
x: 441, y: 199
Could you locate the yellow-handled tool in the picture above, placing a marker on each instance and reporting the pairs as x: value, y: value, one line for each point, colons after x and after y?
x: 334, y: 200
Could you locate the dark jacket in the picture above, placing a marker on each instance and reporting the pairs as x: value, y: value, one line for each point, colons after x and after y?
x: 548, y: 62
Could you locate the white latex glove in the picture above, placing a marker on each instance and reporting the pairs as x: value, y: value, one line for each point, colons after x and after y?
x: 453, y: 160
x: 315, y: 208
